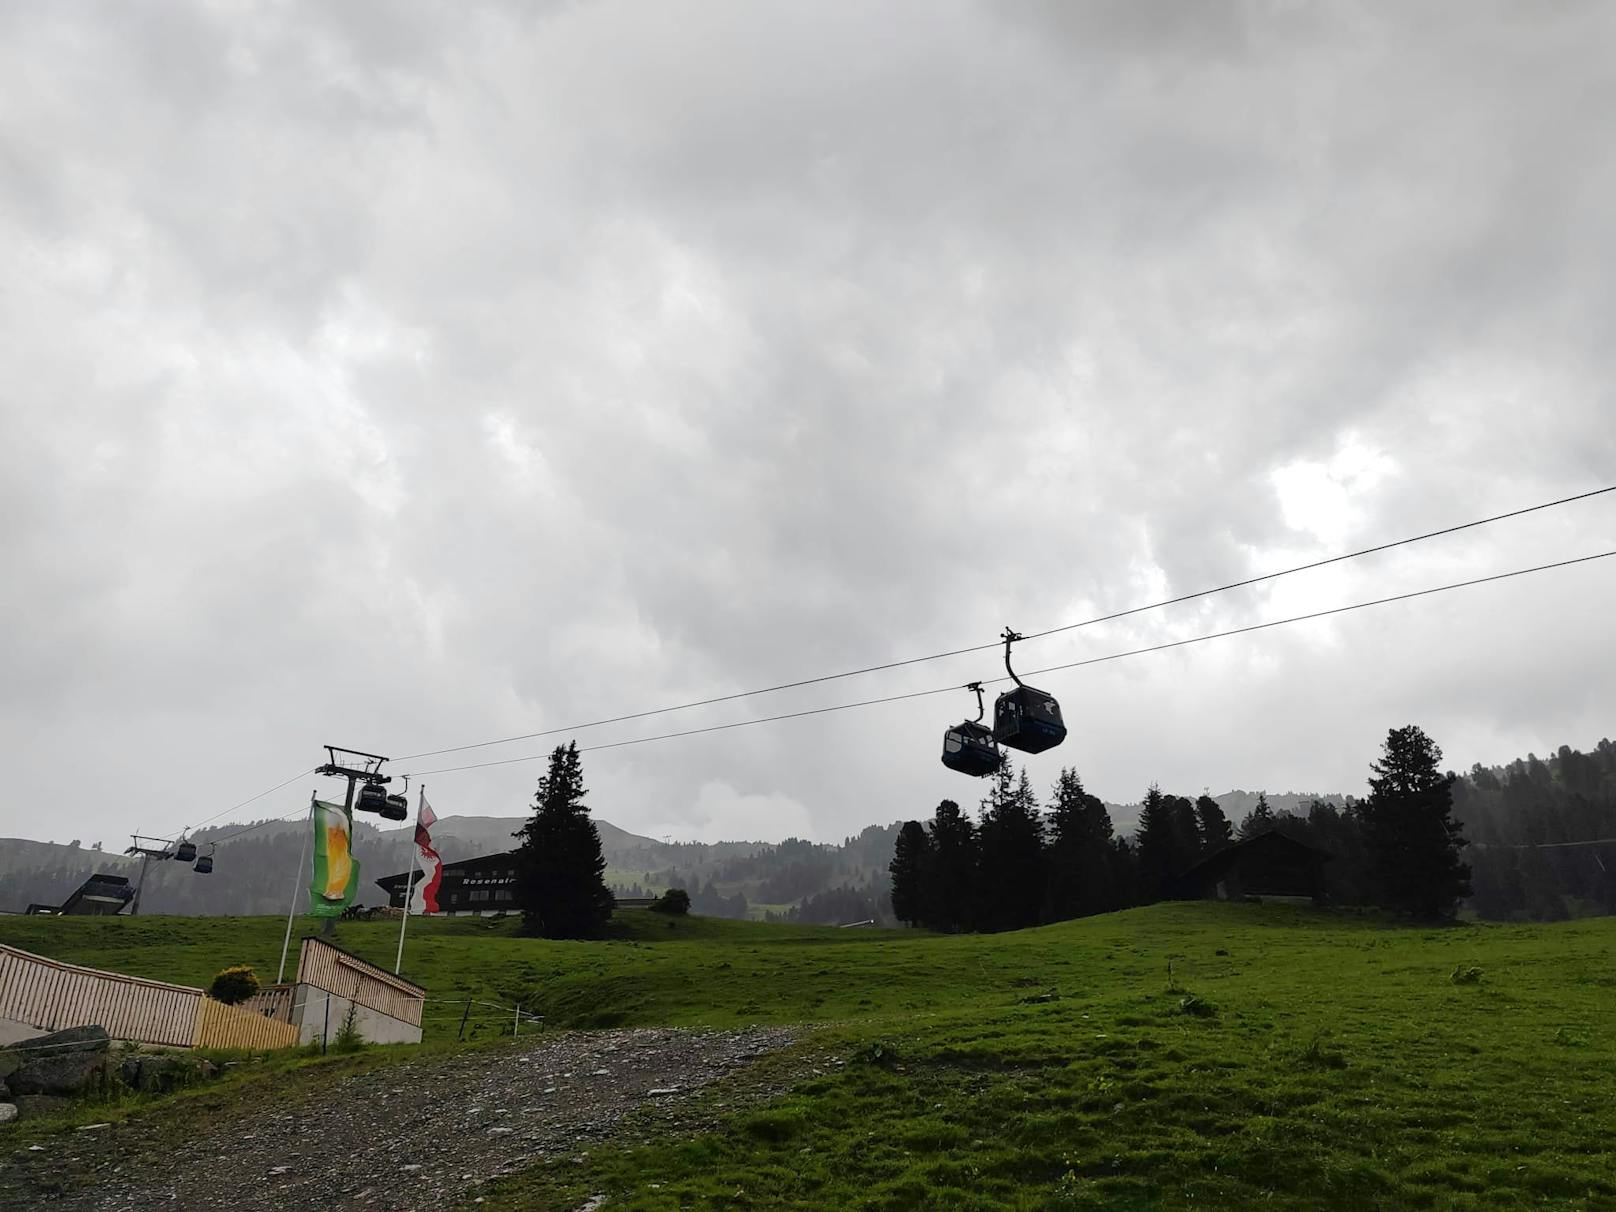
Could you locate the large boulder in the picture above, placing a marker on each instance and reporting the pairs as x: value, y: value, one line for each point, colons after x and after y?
x: 32, y: 1106
x: 62, y: 1074
x: 72, y: 1039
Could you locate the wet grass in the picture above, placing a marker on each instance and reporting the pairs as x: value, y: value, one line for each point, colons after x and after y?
x: 1175, y: 1056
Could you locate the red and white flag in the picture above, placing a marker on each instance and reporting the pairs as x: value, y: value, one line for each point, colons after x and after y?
x: 425, y: 897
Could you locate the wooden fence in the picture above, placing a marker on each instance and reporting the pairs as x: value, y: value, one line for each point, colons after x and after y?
x: 222, y: 1026
x: 273, y: 1001
x: 51, y: 995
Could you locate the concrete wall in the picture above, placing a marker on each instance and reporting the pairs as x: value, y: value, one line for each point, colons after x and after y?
x: 309, y: 1014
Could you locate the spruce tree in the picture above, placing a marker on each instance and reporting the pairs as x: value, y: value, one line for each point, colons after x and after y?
x: 1409, y: 831
x: 1159, y: 849
x: 1010, y: 886
x: 1080, y: 865
x: 948, y: 877
x: 560, y: 871
x: 1214, y: 826
x: 1259, y: 820
x: 909, y: 859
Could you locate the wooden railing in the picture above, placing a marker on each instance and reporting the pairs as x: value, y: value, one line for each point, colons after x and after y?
x: 51, y: 995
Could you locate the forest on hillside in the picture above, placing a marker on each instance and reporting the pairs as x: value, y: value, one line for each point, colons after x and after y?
x: 1517, y: 818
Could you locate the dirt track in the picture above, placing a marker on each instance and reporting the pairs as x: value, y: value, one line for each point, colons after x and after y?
x: 421, y: 1134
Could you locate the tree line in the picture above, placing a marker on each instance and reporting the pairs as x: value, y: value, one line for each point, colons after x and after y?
x: 1019, y: 865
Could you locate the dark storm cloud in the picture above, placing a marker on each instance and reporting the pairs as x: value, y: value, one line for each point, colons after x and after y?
x: 412, y: 375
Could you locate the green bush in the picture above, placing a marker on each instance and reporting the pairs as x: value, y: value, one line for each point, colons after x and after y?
x: 674, y: 900
x: 234, y: 985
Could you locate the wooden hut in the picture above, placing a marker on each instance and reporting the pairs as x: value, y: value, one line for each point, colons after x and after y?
x: 1267, y: 866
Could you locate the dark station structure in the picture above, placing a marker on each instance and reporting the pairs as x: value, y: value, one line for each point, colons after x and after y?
x: 1269, y: 865
x: 98, y: 896
x: 480, y: 885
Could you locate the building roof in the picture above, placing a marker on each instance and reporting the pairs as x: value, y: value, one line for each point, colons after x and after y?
x: 102, y: 889
x: 388, y: 883
x: 1269, y: 841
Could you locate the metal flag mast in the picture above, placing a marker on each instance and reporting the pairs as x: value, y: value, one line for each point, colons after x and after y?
x: 297, y: 888
x: 409, y: 880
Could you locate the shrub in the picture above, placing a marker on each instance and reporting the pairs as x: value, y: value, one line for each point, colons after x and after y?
x: 348, y: 1037
x: 674, y: 900
x: 234, y: 985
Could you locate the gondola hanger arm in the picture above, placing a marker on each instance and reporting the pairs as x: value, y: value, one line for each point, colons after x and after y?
x: 1010, y: 637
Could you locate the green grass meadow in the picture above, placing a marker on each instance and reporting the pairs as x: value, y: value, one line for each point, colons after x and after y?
x: 1177, y: 1056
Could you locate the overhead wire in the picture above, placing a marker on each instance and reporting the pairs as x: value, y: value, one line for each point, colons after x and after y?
x: 953, y: 652
x: 1115, y: 656
x: 249, y: 800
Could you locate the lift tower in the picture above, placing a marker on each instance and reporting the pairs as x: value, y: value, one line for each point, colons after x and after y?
x: 357, y: 767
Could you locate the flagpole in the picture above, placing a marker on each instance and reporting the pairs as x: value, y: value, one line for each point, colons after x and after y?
x: 409, y: 880
x: 296, y: 885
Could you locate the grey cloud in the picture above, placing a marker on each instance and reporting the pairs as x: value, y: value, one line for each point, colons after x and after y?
x: 412, y: 375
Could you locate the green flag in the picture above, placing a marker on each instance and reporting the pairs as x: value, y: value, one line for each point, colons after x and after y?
x: 335, y: 878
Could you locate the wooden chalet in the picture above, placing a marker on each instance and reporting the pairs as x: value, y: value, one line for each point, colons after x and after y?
x: 477, y: 886
x: 1267, y: 866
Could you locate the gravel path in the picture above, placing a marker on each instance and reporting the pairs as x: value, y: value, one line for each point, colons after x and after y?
x: 420, y: 1134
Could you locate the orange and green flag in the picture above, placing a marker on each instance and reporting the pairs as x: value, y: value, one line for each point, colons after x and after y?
x: 336, y: 871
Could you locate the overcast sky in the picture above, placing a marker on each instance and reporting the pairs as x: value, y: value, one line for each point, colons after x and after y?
x: 409, y: 375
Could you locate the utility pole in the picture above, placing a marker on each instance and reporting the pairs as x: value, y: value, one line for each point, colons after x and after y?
x: 159, y: 850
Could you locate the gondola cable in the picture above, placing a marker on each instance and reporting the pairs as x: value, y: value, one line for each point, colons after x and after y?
x: 937, y: 656
x: 1114, y: 656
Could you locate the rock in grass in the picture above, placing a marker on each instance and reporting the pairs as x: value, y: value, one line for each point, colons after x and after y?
x: 66, y: 1073
x: 8, y: 1112
x: 73, y: 1039
x: 32, y: 1106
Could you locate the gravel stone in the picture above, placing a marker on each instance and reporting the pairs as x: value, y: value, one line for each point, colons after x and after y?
x: 419, y: 1134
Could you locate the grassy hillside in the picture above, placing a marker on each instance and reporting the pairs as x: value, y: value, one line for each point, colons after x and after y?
x: 1189, y: 1054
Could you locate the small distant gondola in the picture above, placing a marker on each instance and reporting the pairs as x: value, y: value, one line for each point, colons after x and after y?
x: 1026, y: 718
x: 204, y: 865
x: 968, y: 746
x: 185, y: 852
x: 398, y: 808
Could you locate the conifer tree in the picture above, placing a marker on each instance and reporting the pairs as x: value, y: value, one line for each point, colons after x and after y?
x: 1159, y: 849
x: 1214, y: 826
x: 1259, y: 820
x: 1409, y: 831
x: 560, y: 871
x: 1080, y: 864
x: 948, y: 877
x: 909, y: 860
x: 1010, y: 886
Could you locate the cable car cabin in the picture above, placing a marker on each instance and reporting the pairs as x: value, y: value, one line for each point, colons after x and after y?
x: 969, y: 748
x: 185, y: 852
x: 204, y: 865
x: 372, y: 798
x: 1028, y: 719
x: 398, y: 808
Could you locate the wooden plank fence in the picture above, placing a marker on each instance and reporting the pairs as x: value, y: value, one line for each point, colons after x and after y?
x: 51, y: 995
x: 222, y: 1026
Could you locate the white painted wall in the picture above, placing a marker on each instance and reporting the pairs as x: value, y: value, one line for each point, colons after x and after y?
x: 309, y: 1012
